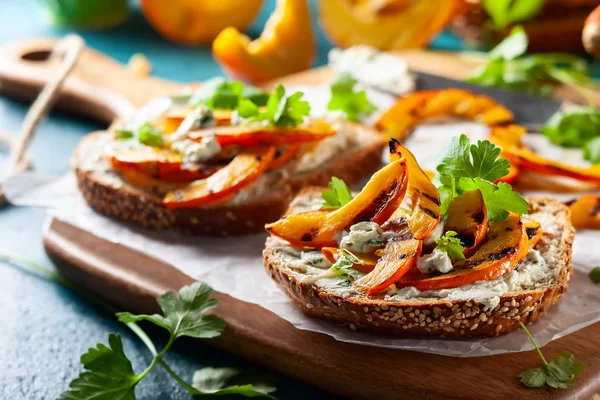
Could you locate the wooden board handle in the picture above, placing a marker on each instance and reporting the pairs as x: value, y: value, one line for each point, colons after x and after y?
x: 98, y: 86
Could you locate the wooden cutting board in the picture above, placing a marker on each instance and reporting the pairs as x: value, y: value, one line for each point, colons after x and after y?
x: 104, y: 89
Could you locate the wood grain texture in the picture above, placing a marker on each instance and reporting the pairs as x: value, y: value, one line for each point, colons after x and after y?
x: 103, y: 89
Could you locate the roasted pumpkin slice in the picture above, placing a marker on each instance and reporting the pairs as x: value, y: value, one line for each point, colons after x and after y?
x: 413, y: 109
x: 368, y: 259
x: 506, y: 246
x: 244, y: 169
x: 172, y: 120
x: 283, y: 156
x: 585, y: 212
x: 534, y: 232
x: 159, y: 163
x: 423, y: 194
x: 266, y: 135
x: 467, y: 216
x: 376, y: 202
x: 399, y: 256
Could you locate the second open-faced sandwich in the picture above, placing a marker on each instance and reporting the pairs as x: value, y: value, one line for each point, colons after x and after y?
x: 466, y: 256
x: 224, y: 160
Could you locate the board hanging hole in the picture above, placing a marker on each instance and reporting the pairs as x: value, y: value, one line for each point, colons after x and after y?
x: 37, y: 55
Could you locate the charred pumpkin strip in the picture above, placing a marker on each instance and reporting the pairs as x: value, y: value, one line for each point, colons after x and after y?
x: 467, y: 216
x: 399, y: 256
x: 585, y: 212
x: 424, y: 195
x: 368, y: 260
x: 321, y: 229
x: 534, y: 232
x: 256, y: 135
x: 172, y: 120
x: 506, y: 246
x: 284, y: 156
x: 244, y: 169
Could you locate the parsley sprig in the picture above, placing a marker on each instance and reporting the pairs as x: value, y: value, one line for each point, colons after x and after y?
x: 337, y: 195
x: 354, y: 104
x: 281, y: 110
x: 145, y: 134
x: 465, y: 167
x: 343, y: 266
x: 507, y: 12
x: 451, y: 245
x: 558, y: 373
x: 509, y: 68
x: 220, y: 93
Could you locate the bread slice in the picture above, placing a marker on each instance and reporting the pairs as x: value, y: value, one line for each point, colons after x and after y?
x: 450, y: 313
x: 260, y: 202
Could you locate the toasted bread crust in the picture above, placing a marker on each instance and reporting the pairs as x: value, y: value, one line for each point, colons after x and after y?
x: 128, y: 204
x: 432, y: 316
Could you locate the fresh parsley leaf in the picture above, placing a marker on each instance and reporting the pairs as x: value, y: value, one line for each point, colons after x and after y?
x: 345, y: 260
x: 185, y: 315
x: 558, y: 373
x: 573, y: 126
x: 595, y: 275
x: 145, y: 134
x: 591, y: 151
x: 513, y: 46
x: 108, y: 375
x: 281, y: 110
x: 222, y: 381
x: 451, y: 245
x: 354, y: 104
x: 220, y: 93
x: 337, y: 195
x: 247, y: 109
x: 498, y: 199
x: 506, y: 12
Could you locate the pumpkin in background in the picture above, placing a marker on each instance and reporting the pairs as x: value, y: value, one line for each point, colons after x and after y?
x: 194, y: 22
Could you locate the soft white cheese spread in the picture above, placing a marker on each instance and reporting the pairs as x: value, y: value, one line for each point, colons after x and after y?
x: 437, y: 260
x: 363, y: 237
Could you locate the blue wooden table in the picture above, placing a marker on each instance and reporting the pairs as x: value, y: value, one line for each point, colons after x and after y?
x: 44, y: 328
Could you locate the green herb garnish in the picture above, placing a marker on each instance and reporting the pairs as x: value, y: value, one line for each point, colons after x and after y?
x: 145, y: 134
x: 509, y: 68
x: 465, y: 167
x: 337, y: 195
x: 281, y: 110
x: 595, y: 275
x: 354, y: 104
x: 451, y: 245
x: 558, y: 373
x: 220, y: 93
x: 507, y: 12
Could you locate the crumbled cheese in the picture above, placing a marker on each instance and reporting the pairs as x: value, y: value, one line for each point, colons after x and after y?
x: 315, y: 259
x: 437, y: 260
x: 383, y: 71
x: 195, y: 152
x: 363, y: 237
x: 436, y: 234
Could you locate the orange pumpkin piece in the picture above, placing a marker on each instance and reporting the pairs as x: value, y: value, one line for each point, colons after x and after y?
x: 171, y: 121
x: 283, y: 156
x: 507, y: 244
x: 399, y: 256
x: 194, y: 22
x: 467, y: 216
x: 266, y: 135
x: 386, y: 25
x: 585, y: 212
x: 368, y: 259
x: 534, y: 232
x: 380, y: 197
x: 244, y: 169
x: 285, y: 46
x: 424, y: 195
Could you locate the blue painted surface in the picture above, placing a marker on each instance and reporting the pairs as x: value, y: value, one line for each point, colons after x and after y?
x: 44, y: 328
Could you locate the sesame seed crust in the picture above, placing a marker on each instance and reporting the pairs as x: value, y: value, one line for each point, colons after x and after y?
x: 433, y: 316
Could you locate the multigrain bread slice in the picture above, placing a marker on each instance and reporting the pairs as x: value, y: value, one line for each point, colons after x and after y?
x: 261, y: 202
x: 468, y: 312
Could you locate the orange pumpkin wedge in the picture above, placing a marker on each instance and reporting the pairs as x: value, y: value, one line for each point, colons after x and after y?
x: 244, y: 169
x: 368, y: 259
x: 534, y: 232
x: 283, y: 156
x: 266, y: 135
x: 163, y: 164
x: 585, y: 212
x: 424, y: 195
x: 467, y: 216
x: 380, y: 197
x: 399, y: 256
x: 506, y: 246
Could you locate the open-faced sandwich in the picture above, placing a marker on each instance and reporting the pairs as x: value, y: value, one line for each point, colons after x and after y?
x: 224, y: 160
x: 466, y: 256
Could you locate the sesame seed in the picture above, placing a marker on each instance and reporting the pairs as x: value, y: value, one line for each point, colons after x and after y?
x: 409, y: 309
x: 412, y: 314
x: 469, y: 304
x: 422, y: 324
x: 384, y: 307
x: 377, y: 308
x: 528, y: 299
x: 352, y: 327
x: 506, y: 304
x: 366, y: 309
x: 513, y: 303
x: 462, y: 331
x: 309, y: 305
x: 504, y: 309
x: 498, y: 328
x: 417, y: 312
x: 482, y: 317
x: 404, y: 327
x: 473, y: 327
x: 328, y: 308
x: 449, y: 305
x: 369, y: 319
x: 437, y: 310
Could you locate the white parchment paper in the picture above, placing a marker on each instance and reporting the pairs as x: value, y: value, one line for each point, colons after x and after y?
x: 234, y: 265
